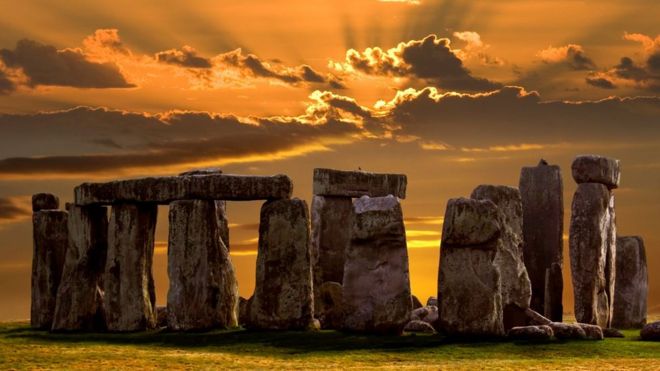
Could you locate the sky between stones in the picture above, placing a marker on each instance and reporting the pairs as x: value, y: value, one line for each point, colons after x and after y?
x: 452, y: 93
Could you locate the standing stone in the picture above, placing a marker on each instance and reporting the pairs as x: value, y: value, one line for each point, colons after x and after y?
x: 223, y: 223
x: 592, y: 250
x: 541, y: 190
x: 469, y: 281
x: 45, y: 201
x: 203, y: 291
x: 554, y: 286
x: 79, y: 296
x: 130, y: 296
x: 331, y: 234
x: 50, y: 239
x: 283, y: 298
x: 515, y: 286
x: 631, y: 286
x: 376, y: 279
x: 330, y: 304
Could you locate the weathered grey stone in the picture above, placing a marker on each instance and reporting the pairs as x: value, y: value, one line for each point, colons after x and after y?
x: 50, y: 241
x: 419, y: 326
x: 130, y: 297
x: 331, y: 234
x: 565, y: 331
x: 651, y: 331
x: 330, y: 304
x: 541, y: 190
x: 415, y: 302
x: 203, y: 291
x: 534, y: 318
x: 428, y: 314
x: 376, y: 279
x: 542, y: 332
x: 469, y: 281
x: 329, y: 182
x: 515, y: 286
x: 632, y: 283
x: 592, y: 332
x: 283, y: 297
x: 554, y: 287
x: 592, y: 250
x: 596, y: 169
x: 163, y: 190
x: 612, y: 333
x: 432, y: 300
x: 79, y: 296
x: 45, y: 201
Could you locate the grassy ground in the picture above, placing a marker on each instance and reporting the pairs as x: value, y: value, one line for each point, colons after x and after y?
x: 23, y: 348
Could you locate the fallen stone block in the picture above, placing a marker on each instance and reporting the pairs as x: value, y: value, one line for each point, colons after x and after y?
x: 329, y: 182
x: 376, y: 278
x: 632, y: 283
x: 566, y: 331
x: 283, y: 297
x: 542, y: 332
x: 593, y: 332
x: 419, y: 326
x: 651, y: 331
x: 415, y: 302
x: 428, y: 314
x: 50, y: 241
x: 596, y: 169
x: 612, y: 333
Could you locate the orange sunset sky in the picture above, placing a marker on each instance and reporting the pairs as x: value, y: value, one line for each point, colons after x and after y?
x: 452, y: 93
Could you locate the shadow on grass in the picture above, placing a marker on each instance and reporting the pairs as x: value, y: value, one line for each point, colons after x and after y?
x: 332, y: 342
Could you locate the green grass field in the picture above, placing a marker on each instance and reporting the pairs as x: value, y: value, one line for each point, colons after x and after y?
x: 23, y: 348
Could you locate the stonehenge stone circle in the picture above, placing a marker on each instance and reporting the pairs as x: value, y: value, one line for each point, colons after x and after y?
x: 376, y: 285
x: 80, y: 297
x: 50, y: 241
x: 541, y: 332
x: 541, y: 190
x: 631, y: 285
x: 203, y: 291
x: 469, y: 281
x: 130, y: 296
x: 283, y: 297
x: 592, y: 251
x: 515, y: 286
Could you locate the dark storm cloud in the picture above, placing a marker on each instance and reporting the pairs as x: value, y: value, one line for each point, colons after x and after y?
x: 184, y: 57
x: 511, y: 116
x: 600, y: 82
x: 45, y: 65
x: 11, y: 210
x: 68, y: 141
x: 252, y: 65
x: 430, y: 59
